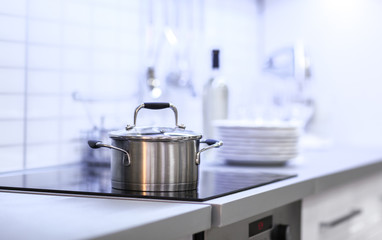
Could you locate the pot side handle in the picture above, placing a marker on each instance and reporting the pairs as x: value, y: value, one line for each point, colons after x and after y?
x: 212, y: 143
x: 98, y: 144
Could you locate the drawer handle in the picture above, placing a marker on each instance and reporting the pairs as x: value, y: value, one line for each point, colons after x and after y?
x: 345, y: 218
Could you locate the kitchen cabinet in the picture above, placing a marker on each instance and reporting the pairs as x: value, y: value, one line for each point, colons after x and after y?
x: 347, y: 211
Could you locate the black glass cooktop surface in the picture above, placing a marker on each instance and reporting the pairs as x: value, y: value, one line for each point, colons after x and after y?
x: 95, y: 180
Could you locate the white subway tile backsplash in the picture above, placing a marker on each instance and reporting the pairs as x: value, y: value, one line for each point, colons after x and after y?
x: 128, y: 86
x: 12, y: 132
x: 43, y: 82
x: 44, y: 57
x: 40, y: 31
x: 104, y: 60
x: 73, y: 129
x: 127, y: 61
x: 104, y: 17
x: 92, y: 47
x: 43, y: 132
x: 12, y: 80
x: 75, y: 82
x: 42, y: 155
x: 76, y: 36
x: 12, y: 28
x: 76, y: 12
x: 125, y: 39
x: 45, y: 9
x: 11, y: 158
x: 76, y: 109
x: 129, y: 5
x: 12, y: 54
x: 107, y: 3
x: 76, y: 59
x: 130, y: 22
x: 105, y: 84
x: 43, y: 106
x: 12, y: 107
x: 102, y: 109
x: 14, y: 7
x: 71, y: 152
x: 104, y: 38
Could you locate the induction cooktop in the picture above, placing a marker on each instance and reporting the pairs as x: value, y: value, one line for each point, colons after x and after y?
x: 85, y: 180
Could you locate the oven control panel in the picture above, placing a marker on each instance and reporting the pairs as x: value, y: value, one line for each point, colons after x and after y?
x: 260, y: 226
x: 265, y: 225
x: 283, y: 223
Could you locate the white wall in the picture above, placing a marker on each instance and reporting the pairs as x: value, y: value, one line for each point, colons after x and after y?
x: 224, y: 24
x: 50, y: 49
x: 344, y: 41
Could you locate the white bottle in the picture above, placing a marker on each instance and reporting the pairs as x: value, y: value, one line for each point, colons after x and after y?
x: 215, y: 98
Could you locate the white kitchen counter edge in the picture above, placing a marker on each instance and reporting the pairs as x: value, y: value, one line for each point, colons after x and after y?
x: 319, y: 171
x: 35, y: 216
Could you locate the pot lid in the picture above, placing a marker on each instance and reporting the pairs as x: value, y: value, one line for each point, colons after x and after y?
x: 176, y: 133
x: 155, y: 134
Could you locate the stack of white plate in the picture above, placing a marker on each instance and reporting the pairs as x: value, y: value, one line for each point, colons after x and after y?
x: 257, y: 143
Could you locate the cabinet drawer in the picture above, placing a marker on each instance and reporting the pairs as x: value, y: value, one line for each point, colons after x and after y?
x: 348, y: 211
x: 323, y: 214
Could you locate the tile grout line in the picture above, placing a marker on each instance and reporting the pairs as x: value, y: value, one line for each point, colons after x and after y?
x: 60, y: 159
x: 25, y: 123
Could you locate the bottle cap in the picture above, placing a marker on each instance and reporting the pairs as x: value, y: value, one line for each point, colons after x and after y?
x: 215, y: 58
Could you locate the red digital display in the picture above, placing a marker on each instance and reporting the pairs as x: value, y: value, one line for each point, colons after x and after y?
x: 260, y: 226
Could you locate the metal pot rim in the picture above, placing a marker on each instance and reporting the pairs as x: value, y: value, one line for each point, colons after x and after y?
x: 155, y: 134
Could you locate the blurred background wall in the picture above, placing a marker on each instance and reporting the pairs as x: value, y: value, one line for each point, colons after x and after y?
x: 343, y: 39
x: 69, y: 69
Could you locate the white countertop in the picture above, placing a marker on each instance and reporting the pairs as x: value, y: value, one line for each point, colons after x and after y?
x: 32, y: 216
x: 58, y: 217
x: 316, y: 171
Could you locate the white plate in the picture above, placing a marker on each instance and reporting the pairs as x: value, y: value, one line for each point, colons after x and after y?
x: 245, y: 139
x: 257, y: 144
x: 243, y: 146
x: 239, y: 124
x: 262, y: 163
x: 258, y: 133
x: 260, y: 129
x: 257, y: 151
x: 257, y: 139
x: 255, y: 157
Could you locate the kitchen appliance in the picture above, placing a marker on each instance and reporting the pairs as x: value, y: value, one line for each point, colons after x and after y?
x: 91, y: 180
x: 155, y: 158
x: 282, y: 223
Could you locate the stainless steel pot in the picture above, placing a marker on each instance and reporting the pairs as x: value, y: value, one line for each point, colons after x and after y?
x: 155, y: 158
